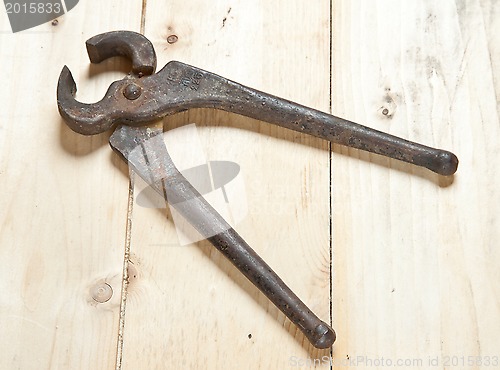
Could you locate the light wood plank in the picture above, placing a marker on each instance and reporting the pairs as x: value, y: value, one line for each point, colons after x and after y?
x: 187, y: 306
x: 63, y: 203
x: 416, y: 263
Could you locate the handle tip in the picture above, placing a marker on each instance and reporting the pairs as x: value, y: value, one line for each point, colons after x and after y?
x: 446, y: 163
x: 439, y: 161
x: 323, y: 336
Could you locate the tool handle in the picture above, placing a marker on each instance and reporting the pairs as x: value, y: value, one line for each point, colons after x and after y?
x: 185, y: 87
x: 344, y: 132
x: 195, y: 209
x: 269, y: 108
x: 145, y: 151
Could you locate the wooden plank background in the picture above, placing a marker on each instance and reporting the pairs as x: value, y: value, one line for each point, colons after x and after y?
x: 416, y: 256
x: 404, y: 263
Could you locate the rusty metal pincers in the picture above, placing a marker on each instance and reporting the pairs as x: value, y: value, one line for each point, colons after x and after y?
x: 144, y: 96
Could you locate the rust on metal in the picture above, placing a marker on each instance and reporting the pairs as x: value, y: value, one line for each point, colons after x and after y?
x: 178, y: 87
x: 144, y: 150
x: 145, y: 96
x: 132, y: 91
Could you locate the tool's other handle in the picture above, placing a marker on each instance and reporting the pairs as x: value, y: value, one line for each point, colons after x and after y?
x: 232, y: 245
x: 153, y: 163
x: 192, y: 206
x: 235, y: 249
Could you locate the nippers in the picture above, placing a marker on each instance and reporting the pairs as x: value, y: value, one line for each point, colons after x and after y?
x: 144, y: 96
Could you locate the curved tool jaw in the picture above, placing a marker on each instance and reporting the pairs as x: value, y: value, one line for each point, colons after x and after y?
x: 90, y: 119
x: 86, y: 119
x: 131, y: 45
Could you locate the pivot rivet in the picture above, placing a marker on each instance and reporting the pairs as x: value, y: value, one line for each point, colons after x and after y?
x: 132, y: 91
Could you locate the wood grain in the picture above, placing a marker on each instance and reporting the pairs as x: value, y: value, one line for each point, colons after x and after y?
x: 63, y: 202
x: 187, y: 306
x: 415, y: 260
x: 415, y: 257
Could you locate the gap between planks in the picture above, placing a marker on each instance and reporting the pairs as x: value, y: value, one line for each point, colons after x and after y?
x: 330, y: 171
x: 128, y: 236
x: 125, y: 277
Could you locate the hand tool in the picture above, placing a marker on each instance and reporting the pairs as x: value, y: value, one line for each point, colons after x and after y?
x: 144, y: 96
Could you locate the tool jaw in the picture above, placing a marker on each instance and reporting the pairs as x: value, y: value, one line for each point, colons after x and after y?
x: 137, y: 101
x: 91, y: 119
x: 131, y: 45
x: 86, y: 119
